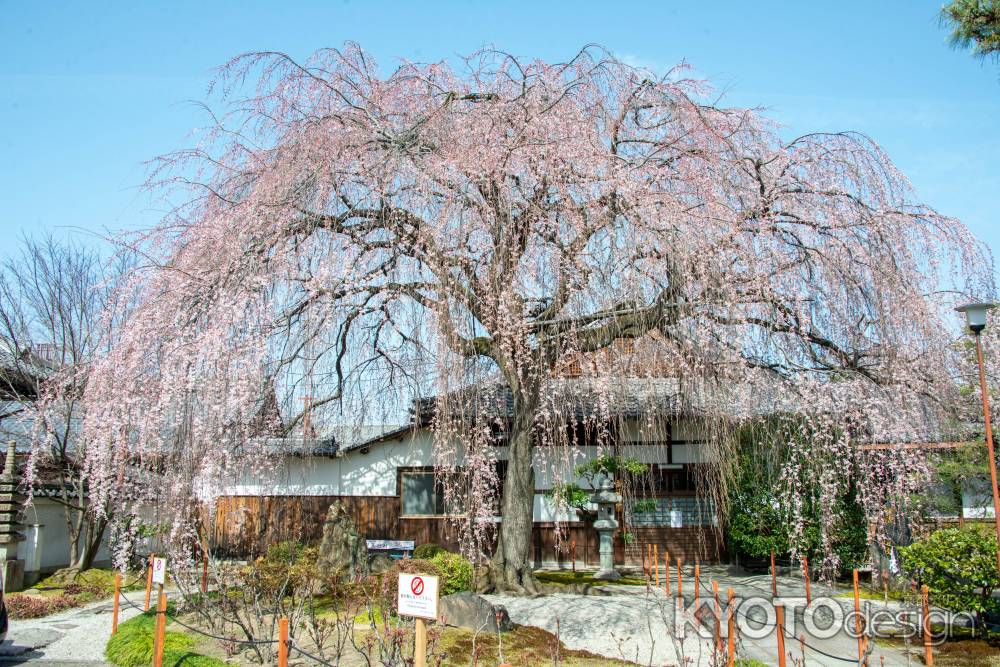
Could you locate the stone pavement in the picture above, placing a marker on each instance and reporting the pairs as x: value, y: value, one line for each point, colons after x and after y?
x: 72, y: 638
x: 638, y: 624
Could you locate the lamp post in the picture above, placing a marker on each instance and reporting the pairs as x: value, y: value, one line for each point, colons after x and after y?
x: 975, y: 318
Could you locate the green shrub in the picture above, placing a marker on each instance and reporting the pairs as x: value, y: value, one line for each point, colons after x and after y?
x: 456, y: 572
x: 427, y: 551
x: 188, y: 659
x: 749, y: 662
x: 959, y: 567
x: 132, y: 645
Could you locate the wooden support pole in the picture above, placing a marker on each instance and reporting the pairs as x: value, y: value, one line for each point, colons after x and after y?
x: 161, y: 627
x: 149, y: 580
x: 731, y: 639
x: 680, y: 584
x: 118, y: 591
x: 204, y: 573
x: 666, y: 572
x: 718, y: 622
x: 656, y: 565
x: 282, y: 642
x: 779, y: 609
x: 420, y: 644
x: 925, y: 601
x: 572, y: 551
x: 697, y: 580
x: 774, y: 578
x: 805, y: 575
x: 857, y: 619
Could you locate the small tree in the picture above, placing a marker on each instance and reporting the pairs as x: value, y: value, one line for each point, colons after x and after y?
x: 959, y: 567
x: 53, y: 299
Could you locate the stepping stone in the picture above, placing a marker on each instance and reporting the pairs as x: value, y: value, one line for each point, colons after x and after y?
x: 28, y: 639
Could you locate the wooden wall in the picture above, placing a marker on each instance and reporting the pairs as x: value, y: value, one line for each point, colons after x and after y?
x: 244, y: 526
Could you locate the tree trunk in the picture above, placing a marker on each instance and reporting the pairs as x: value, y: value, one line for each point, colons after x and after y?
x: 92, y: 544
x: 511, y: 567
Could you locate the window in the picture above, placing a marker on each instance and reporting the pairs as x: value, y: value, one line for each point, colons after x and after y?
x: 422, y: 495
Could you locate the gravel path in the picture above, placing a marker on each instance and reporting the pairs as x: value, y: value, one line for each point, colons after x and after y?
x: 638, y: 625
x: 76, y: 636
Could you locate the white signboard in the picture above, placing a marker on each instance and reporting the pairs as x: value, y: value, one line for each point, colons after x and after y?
x: 159, y: 570
x: 418, y: 596
x: 676, y: 519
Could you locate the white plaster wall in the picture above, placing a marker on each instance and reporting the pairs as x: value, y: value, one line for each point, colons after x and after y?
x: 354, y: 474
x: 55, y: 536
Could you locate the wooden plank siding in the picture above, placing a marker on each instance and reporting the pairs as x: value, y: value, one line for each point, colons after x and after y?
x: 244, y: 526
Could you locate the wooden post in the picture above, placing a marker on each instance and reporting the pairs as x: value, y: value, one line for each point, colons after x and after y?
x: 857, y: 619
x: 779, y: 609
x: 697, y: 580
x: 118, y: 590
x: 572, y: 550
x: 282, y: 642
x: 731, y: 639
x: 680, y: 584
x: 718, y: 622
x: 161, y: 626
x: 666, y: 571
x: 925, y: 601
x: 420, y: 644
x: 204, y: 573
x: 805, y: 575
x: 774, y: 578
x: 656, y: 565
x: 149, y: 580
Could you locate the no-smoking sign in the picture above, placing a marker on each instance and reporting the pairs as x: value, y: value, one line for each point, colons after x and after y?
x: 417, y: 596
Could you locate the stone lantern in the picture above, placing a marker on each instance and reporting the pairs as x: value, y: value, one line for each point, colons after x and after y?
x: 605, y: 497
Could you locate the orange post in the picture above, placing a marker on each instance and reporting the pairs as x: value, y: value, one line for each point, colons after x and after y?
x: 666, y: 571
x: 718, y: 621
x: 282, y: 642
x: 731, y: 662
x: 204, y: 573
x: 805, y: 575
x: 149, y: 580
x: 774, y: 578
x: 697, y: 580
x: 118, y: 590
x: 680, y: 584
x: 656, y: 565
x: 779, y: 609
x: 928, y: 651
x: 857, y: 619
x: 161, y: 626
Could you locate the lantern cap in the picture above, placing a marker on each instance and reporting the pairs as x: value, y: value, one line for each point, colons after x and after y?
x: 975, y: 314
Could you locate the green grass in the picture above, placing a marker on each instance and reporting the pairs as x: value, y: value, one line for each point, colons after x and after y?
x: 567, y: 578
x: 132, y: 645
x: 870, y: 594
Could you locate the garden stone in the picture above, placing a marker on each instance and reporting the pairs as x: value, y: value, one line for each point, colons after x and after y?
x: 29, y: 640
x: 474, y: 612
x: 341, y: 548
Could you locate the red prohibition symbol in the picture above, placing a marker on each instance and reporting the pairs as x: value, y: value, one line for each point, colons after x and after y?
x: 417, y: 585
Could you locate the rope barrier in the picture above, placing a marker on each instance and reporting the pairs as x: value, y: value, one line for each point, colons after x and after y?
x: 292, y: 646
x: 764, y: 623
x: 174, y: 619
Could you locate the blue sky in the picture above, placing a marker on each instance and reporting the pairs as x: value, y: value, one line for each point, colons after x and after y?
x: 90, y: 91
